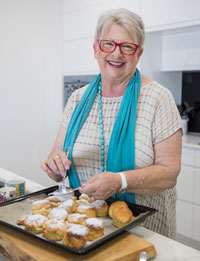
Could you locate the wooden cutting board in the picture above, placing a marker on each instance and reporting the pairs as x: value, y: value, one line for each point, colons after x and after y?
x: 17, y: 246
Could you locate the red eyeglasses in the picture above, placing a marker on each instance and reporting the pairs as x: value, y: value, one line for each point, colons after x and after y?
x: 108, y: 46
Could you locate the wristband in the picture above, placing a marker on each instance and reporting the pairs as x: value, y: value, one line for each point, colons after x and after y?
x: 124, y: 183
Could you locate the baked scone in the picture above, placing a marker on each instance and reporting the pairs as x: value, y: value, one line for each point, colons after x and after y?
x: 86, y: 197
x: 89, y: 210
x: 69, y: 205
x: 95, y: 228
x: 81, y: 202
x: 122, y: 217
x: 73, y: 198
x: 75, y: 236
x: 101, y: 208
x: 35, y: 223
x: 77, y: 218
x: 59, y: 213
x: 115, y: 205
x: 120, y: 213
x: 21, y: 220
x: 41, y: 207
x: 56, y: 200
x: 54, y: 229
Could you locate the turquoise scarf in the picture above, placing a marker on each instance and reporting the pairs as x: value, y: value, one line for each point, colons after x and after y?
x: 121, y: 150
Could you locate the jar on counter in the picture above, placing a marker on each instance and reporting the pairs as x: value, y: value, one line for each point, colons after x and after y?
x: 185, y: 120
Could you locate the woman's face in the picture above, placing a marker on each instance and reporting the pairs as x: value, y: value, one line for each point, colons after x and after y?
x: 115, y: 66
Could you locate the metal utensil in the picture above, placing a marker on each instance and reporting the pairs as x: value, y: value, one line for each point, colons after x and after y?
x: 61, y: 193
x: 61, y: 185
x: 143, y: 256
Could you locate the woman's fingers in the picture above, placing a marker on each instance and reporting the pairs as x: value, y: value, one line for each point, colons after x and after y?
x: 57, y: 164
x: 90, y: 187
x: 65, y: 162
x: 50, y: 173
x: 101, y: 186
x: 44, y: 167
x: 51, y: 163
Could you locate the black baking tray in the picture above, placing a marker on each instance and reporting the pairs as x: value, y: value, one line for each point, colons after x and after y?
x: 135, y: 208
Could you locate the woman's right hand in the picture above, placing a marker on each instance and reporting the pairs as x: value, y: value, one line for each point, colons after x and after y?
x: 56, y: 165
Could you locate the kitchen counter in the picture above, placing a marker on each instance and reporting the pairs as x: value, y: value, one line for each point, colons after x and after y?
x: 167, y: 249
x: 31, y: 186
x: 191, y: 141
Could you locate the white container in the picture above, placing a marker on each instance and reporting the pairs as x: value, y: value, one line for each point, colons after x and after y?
x: 8, y: 192
x: 185, y: 124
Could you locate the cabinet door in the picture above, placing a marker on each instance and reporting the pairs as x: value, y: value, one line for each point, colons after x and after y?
x: 188, y: 156
x: 196, y: 224
x: 197, y: 158
x: 185, y: 184
x: 184, y: 218
x: 180, y: 50
x: 162, y: 14
x: 197, y: 186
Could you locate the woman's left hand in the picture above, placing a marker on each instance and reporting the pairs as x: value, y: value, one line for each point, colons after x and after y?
x: 102, y: 185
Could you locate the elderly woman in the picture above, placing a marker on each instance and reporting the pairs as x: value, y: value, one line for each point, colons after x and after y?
x: 123, y: 129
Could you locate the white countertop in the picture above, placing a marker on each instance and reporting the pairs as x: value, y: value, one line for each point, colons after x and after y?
x: 31, y: 186
x: 191, y: 141
x: 167, y: 249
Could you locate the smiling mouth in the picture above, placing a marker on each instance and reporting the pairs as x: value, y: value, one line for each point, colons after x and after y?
x: 116, y: 64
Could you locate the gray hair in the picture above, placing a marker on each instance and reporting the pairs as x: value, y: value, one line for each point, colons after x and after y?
x: 129, y: 20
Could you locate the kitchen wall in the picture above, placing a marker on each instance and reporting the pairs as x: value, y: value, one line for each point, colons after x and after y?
x: 31, y: 87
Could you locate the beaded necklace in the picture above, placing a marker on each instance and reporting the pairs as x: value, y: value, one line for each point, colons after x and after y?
x: 101, y: 127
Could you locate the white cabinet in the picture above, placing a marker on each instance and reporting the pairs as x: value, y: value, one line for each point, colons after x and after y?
x: 188, y: 191
x: 196, y: 224
x: 188, y: 156
x: 162, y: 14
x: 181, y: 50
x: 197, y: 186
x: 185, y: 184
x: 198, y: 158
x: 184, y: 218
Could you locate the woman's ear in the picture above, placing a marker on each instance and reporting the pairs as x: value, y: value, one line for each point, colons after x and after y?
x: 140, y: 52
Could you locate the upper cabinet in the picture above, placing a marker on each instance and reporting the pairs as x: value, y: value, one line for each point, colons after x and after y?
x: 181, y: 49
x: 162, y: 14
x: 179, y: 24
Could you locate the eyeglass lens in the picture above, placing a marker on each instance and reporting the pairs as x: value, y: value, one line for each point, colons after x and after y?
x: 126, y: 48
